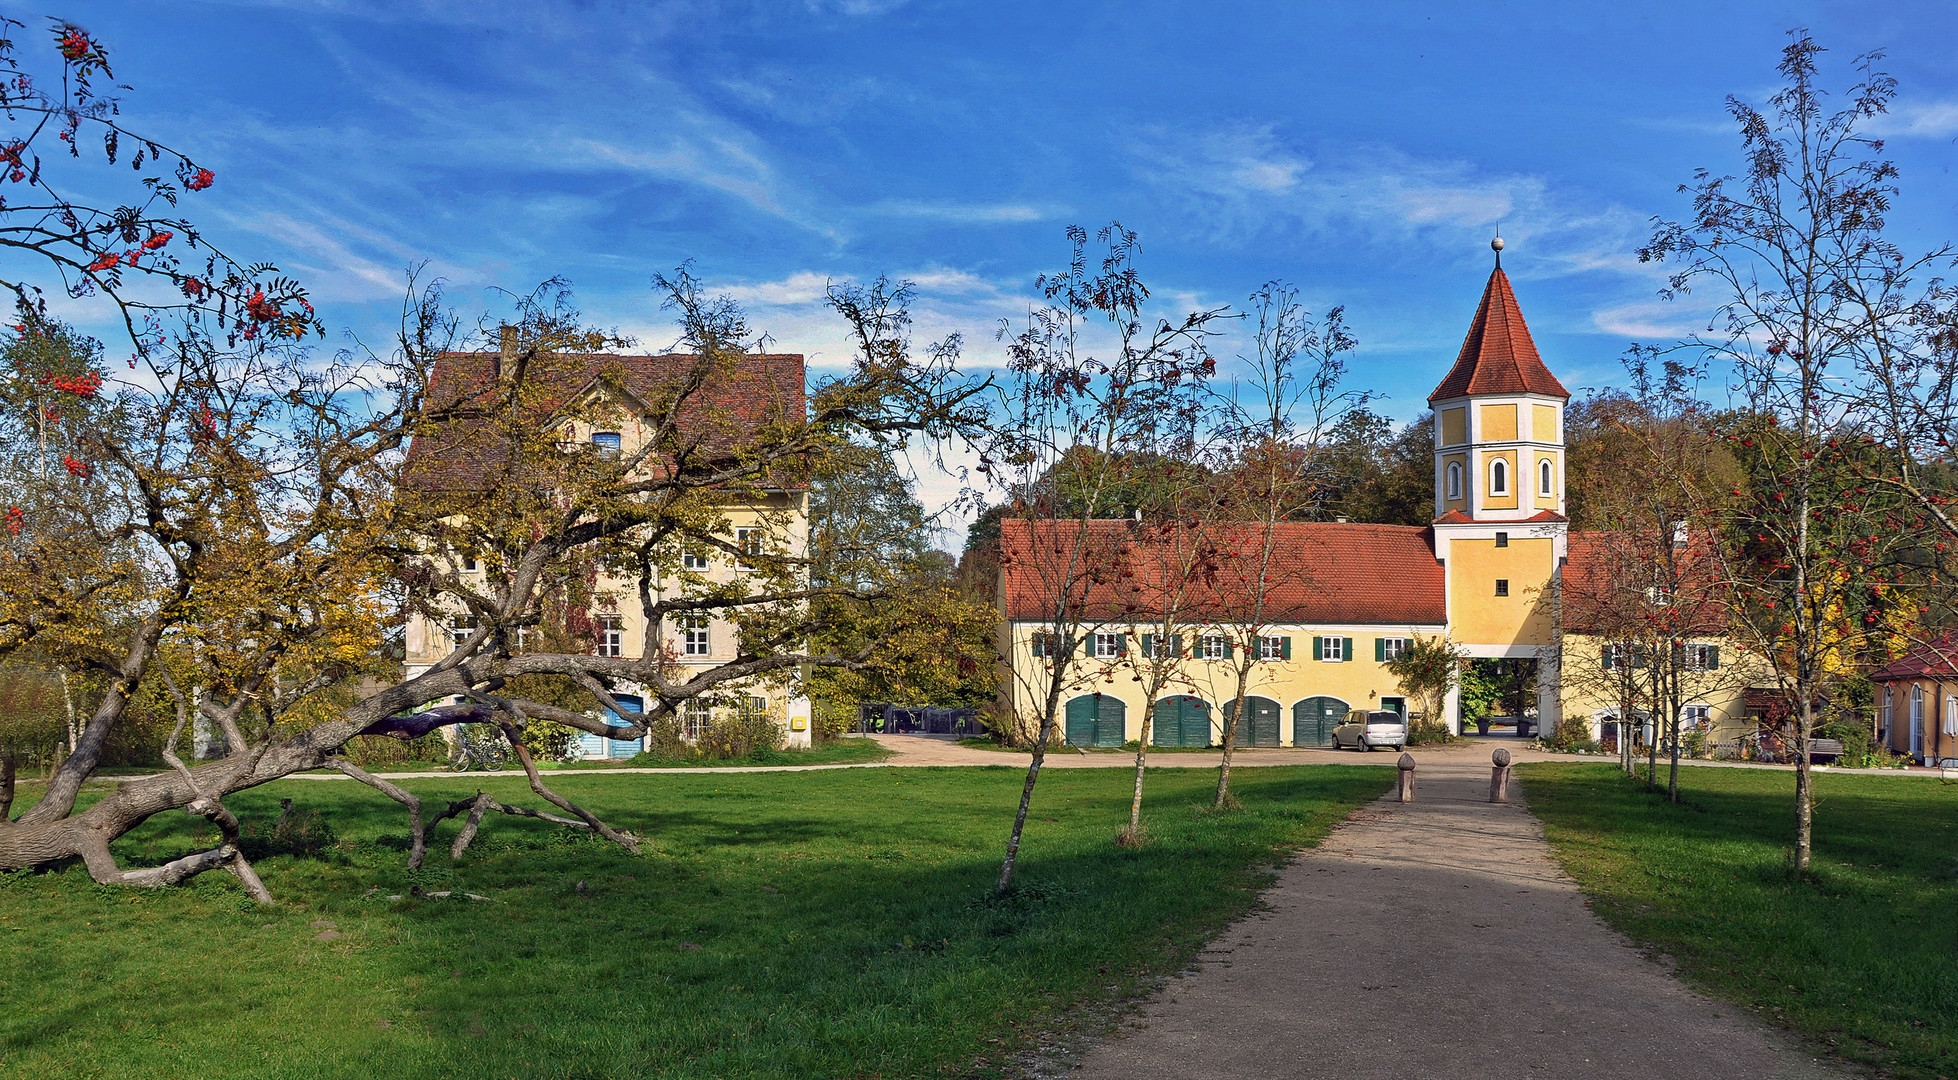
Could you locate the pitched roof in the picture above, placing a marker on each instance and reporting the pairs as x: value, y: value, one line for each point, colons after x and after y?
x: 1456, y: 517
x: 465, y: 453
x: 1931, y: 660
x: 1323, y: 573
x: 1605, y: 583
x: 1498, y: 356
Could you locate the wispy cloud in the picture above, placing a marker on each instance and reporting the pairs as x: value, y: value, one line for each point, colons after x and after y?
x: 1917, y: 119
x: 963, y: 213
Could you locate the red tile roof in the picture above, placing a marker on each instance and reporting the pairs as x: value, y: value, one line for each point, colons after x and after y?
x: 1322, y: 573
x: 1498, y: 356
x: 1456, y: 517
x: 1604, y: 579
x: 465, y: 453
x: 1931, y: 660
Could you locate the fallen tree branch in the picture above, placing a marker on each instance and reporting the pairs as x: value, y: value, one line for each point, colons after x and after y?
x: 417, y: 833
x: 624, y: 839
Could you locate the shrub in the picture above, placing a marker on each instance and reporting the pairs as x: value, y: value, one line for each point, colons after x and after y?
x: 1421, y: 731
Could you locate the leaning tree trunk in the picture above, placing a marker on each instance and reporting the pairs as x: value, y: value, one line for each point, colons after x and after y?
x: 1132, y: 836
x: 1225, y: 800
x: 1047, y: 719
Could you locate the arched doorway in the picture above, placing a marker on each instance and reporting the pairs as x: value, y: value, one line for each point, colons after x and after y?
x: 1314, y: 719
x: 1096, y: 720
x: 1181, y: 721
x: 1260, y: 727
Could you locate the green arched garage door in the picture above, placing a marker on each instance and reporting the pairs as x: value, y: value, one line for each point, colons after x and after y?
x: 1314, y: 719
x: 1096, y: 720
x: 1263, y: 727
x: 1181, y: 721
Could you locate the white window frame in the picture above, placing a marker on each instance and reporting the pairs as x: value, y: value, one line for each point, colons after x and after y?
x: 747, y: 541
x: 1883, y: 714
x: 469, y: 564
x: 1271, y: 648
x: 1693, y: 714
x: 1951, y: 714
x: 696, y: 636
x: 1454, y: 487
x: 1393, y: 648
x: 1107, y: 646
x: 1546, y: 477
x: 1158, y: 647
x: 611, y: 635
x: 460, y: 627
x: 607, y: 443
x: 1696, y: 654
x: 1214, y: 647
x: 1332, y: 649
x: 695, y: 561
x: 1499, y: 476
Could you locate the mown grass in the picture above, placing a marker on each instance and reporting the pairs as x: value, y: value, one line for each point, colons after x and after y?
x: 844, y: 751
x: 828, y: 924
x: 1860, y: 954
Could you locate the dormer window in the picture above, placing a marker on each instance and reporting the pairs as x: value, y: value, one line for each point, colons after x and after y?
x: 606, y: 443
x: 1454, y: 480
x: 1546, y: 477
x: 1499, y: 477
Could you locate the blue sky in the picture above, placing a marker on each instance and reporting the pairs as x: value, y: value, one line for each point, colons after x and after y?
x: 1364, y: 151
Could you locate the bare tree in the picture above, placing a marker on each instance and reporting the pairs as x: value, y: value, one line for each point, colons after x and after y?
x: 1094, y: 383
x: 1815, y: 318
x: 1278, y: 422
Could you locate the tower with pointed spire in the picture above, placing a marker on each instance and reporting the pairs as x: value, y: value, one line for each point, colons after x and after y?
x: 1500, y: 529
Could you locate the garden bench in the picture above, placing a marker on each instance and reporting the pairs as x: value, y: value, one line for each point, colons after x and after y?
x: 1824, y: 748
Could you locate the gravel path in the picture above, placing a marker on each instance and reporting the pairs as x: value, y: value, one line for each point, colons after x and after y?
x: 1436, y: 939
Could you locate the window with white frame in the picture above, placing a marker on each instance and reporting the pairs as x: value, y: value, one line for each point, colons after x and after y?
x: 1499, y: 477
x: 750, y: 709
x: 1695, y: 716
x: 748, y: 543
x: 694, y: 639
x: 1546, y: 477
x: 1108, y: 645
x: 1883, y: 715
x: 1272, y: 648
x: 1916, y: 709
x: 694, y: 560
x: 1393, y: 648
x: 460, y: 627
x: 611, y: 635
x: 1951, y: 715
x: 1158, y: 646
x: 1333, y: 649
x: 1697, y: 656
x: 1216, y: 647
x: 469, y: 565
x: 605, y: 443
x: 1454, y: 480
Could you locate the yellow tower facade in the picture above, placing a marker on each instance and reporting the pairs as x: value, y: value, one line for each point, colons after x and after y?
x: 1500, y: 528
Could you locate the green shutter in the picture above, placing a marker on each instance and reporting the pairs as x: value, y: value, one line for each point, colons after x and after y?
x: 1380, y: 650
x: 1148, y: 640
x: 1318, y: 648
x: 1122, y: 644
x: 1230, y: 650
x: 1285, y: 648
x: 1346, y: 649
x: 1607, y: 654
x: 1040, y: 644
x: 1712, y: 657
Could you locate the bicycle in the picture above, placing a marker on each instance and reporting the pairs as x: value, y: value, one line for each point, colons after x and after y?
x: 484, y: 750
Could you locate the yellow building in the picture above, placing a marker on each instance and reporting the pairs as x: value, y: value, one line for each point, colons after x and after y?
x: 612, y: 405
x: 1343, y: 597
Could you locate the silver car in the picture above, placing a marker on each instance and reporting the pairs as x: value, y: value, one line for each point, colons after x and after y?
x: 1366, y: 730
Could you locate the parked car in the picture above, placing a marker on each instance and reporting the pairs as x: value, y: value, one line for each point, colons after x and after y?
x: 1366, y: 730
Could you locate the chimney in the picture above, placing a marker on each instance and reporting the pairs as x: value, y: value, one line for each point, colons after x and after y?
x: 506, y: 361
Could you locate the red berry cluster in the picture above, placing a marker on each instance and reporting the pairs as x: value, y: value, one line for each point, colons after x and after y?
x: 87, y: 385
x: 10, y: 160
x: 15, y: 519
x: 74, y: 467
x: 75, y: 44
x: 204, y: 178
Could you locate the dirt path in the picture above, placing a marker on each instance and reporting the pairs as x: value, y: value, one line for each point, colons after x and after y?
x: 1436, y: 939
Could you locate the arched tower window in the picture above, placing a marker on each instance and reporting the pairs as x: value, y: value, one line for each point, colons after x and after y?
x: 1546, y: 477
x: 1499, y: 477
x: 1454, y: 480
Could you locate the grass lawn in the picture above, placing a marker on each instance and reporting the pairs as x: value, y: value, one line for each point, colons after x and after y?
x: 844, y: 751
x: 828, y: 924
x: 1861, y: 955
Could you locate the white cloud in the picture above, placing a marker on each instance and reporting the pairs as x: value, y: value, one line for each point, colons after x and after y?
x: 1917, y: 119
x: 963, y: 213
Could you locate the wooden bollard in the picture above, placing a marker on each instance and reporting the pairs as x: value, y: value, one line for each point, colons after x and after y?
x: 1499, y: 776
x: 1406, y: 789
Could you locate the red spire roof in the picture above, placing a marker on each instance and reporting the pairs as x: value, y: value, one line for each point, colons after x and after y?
x: 1498, y: 357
